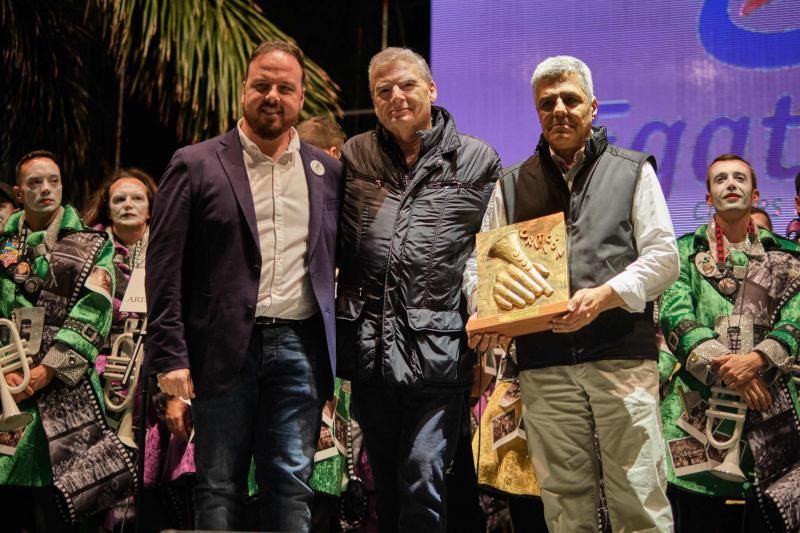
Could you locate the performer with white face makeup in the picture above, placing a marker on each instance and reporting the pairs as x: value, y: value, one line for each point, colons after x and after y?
x: 56, y: 283
x: 121, y: 207
x: 129, y: 209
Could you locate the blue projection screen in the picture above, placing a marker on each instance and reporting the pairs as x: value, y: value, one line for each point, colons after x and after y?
x: 684, y: 80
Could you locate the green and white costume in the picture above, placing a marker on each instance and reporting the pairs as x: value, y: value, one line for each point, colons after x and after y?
x: 749, y: 303
x: 68, y: 443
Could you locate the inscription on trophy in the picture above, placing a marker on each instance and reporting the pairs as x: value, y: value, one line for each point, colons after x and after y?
x: 545, y: 243
x: 523, y: 277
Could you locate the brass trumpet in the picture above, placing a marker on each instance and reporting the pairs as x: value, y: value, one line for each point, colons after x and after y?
x: 121, y: 376
x: 12, y: 358
x: 735, y: 332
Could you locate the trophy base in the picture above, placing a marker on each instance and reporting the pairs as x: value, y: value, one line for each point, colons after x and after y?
x: 515, y: 323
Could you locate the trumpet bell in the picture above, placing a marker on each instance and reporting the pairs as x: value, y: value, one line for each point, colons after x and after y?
x: 729, y: 472
x: 729, y: 469
x: 11, y: 419
x: 14, y: 422
x: 125, y: 430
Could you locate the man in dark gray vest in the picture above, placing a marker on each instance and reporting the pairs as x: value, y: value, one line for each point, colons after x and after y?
x: 596, y: 370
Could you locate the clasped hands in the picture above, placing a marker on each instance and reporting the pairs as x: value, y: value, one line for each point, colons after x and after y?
x: 518, y: 285
x: 740, y: 372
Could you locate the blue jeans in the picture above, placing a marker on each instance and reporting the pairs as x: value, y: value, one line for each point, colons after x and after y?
x: 273, y: 415
x: 411, y: 438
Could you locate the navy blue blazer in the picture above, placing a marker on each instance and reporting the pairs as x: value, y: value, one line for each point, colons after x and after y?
x: 204, y: 261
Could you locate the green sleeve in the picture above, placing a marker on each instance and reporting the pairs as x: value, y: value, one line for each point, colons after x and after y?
x: 667, y: 366
x: 678, y: 306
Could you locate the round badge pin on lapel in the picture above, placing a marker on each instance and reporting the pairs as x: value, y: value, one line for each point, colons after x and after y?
x: 317, y: 168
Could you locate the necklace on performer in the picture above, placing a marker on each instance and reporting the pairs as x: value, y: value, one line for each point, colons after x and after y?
x: 729, y: 274
x: 24, y: 273
x: 136, y: 251
x: 50, y: 235
x: 139, y: 250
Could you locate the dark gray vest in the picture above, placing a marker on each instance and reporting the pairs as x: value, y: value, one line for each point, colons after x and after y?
x: 601, y: 245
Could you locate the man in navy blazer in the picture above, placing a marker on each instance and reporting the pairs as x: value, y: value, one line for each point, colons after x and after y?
x: 240, y: 293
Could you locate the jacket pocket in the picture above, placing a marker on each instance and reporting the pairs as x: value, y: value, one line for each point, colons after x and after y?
x: 354, y: 358
x: 438, y: 346
x: 348, y: 308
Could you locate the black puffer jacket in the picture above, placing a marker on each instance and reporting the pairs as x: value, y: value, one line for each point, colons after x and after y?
x: 405, y: 236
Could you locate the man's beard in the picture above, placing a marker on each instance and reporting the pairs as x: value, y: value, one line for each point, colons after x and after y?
x: 267, y: 130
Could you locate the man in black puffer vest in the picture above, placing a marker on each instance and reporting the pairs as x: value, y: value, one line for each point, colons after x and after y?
x: 596, y: 370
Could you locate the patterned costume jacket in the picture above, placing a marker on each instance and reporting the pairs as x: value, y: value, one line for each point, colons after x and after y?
x: 31, y: 464
x: 768, y: 299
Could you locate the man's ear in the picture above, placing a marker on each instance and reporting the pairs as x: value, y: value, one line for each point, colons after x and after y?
x: 18, y: 194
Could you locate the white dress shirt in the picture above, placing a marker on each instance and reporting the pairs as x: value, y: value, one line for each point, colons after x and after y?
x: 280, y: 198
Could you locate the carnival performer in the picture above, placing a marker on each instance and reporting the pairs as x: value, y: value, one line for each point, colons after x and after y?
x: 731, y: 320
x: 240, y: 297
x: 121, y: 208
x: 57, y: 284
x: 596, y: 371
x: 503, y: 465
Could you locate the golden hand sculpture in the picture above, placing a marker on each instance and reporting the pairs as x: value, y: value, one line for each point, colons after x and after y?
x: 521, y: 281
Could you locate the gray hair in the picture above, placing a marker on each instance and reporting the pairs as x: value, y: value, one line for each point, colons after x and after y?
x: 392, y: 54
x: 556, y: 67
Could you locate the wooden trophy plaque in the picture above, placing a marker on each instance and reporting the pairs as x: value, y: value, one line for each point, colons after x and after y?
x: 543, y: 241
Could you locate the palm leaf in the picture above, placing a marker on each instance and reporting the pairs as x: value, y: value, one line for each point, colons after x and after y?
x: 45, y: 98
x: 188, y: 58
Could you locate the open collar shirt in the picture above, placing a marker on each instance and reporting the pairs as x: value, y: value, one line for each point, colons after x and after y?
x: 280, y: 198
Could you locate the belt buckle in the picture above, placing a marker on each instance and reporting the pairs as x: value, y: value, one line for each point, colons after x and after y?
x: 266, y: 321
x: 89, y: 332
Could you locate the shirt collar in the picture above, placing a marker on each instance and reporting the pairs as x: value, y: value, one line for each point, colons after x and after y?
x: 252, y: 148
x: 562, y: 165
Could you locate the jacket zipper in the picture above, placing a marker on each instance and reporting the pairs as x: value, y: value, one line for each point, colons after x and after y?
x: 369, y: 179
x: 403, y: 195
